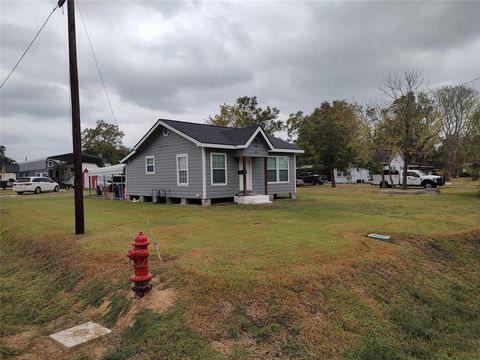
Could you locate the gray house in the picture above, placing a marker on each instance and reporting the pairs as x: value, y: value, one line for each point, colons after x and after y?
x: 198, y: 163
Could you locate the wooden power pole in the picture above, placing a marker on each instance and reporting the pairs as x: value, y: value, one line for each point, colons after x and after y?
x: 76, y: 133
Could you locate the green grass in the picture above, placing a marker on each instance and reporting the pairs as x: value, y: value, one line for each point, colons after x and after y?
x: 296, y: 279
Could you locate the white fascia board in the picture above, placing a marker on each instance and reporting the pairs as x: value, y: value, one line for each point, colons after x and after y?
x: 221, y: 146
x: 154, y: 127
x: 259, y: 129
x: 294, y: 151
x: 128, y: 156
x: 178, y: 132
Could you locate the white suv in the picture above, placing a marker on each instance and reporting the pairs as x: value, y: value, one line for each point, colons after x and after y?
x: 35, y: 184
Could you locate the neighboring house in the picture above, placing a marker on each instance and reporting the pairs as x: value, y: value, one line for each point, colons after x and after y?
x: 8, y: 171
x: 397, y: 163
x: 59, y: 167
x: 191, y: 162
x: 36, y: 167
x: 354, y: 175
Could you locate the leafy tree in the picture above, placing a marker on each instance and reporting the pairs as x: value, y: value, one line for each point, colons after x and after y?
x: 104, y: 140
x: 246, y: 112
x: 472, y: 147
x: 375, y: 143
x: 328, y: 135
x: 4, y: 159
x: 456, y: 106
x: 410, y: 118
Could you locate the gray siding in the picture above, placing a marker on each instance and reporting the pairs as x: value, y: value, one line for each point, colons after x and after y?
x: 259, y: 177
x: 232, y: 187
x: 165, y: 150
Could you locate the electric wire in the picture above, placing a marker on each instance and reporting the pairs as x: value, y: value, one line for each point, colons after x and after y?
x: 468, y: 82
x: 151, y: 231
x: 28, y: 47
x: 96, y: 63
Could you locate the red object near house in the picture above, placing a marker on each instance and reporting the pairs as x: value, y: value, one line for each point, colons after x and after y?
x: 139, y: 255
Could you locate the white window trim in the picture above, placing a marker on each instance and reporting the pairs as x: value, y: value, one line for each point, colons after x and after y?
x: 178, y: 174
x: 277, y: 168
x: 211, y: 169
x: 146, y: 168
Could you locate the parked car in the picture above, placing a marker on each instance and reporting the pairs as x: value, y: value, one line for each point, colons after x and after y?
x: 35, y: 184
x: 300, y: 182
x: 310, y: 178
x: 4, y: 184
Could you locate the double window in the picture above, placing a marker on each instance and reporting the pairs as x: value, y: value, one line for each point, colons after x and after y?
x: 277, y: 169
x: 150, y: 164
x: 218, y: 165
x: 182, y: 170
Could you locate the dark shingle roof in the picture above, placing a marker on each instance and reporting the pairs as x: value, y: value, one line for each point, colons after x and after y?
x: 212, y: 134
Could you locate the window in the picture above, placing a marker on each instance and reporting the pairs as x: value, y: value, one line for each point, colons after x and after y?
x: 182, y: 170
x: 272, y: 169
x: 50, y: 163
x: 218, y: 163
x: 283, y: 169
x: 150, y: 164
x: 277, y: 169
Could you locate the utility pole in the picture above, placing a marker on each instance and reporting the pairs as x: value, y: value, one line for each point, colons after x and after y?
x: 76, y: 133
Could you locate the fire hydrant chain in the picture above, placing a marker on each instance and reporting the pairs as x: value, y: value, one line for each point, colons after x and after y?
x: 139, y: 255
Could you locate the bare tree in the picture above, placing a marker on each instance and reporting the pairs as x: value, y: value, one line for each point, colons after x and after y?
x: 455, y: 106
x: 409, y: 117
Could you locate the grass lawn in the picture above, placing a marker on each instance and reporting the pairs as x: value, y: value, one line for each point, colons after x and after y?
x: 296, y: 279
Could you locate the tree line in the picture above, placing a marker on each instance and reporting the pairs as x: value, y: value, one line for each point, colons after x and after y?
x: 440, y: 126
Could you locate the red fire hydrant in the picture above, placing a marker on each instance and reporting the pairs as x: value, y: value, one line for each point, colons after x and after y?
x: 139, y: 255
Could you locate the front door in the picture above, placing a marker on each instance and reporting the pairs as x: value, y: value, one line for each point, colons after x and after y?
x: 248, y: 162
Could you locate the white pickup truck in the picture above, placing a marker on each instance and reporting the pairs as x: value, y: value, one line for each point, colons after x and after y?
x: 414, y: 178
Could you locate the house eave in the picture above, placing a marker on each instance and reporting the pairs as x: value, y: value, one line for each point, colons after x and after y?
x: 208, y: 145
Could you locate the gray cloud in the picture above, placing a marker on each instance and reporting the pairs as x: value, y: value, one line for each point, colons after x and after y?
x: 183, y: 59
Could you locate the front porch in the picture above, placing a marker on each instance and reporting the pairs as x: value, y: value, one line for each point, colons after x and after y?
x: 246, y: 195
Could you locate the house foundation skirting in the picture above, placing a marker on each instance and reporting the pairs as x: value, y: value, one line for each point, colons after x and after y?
x: 252, y: 199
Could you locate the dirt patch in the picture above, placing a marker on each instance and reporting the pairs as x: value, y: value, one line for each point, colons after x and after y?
x: 158, y: 300
x: 208, y: 319
x: 44, y: 349
x: 19, y: 341
x: 92, y: 311
x: 427, y: 191
x: 225, y: 347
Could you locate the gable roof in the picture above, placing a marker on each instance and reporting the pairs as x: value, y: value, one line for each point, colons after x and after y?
x: 9, y: 168
x: 218, y: 136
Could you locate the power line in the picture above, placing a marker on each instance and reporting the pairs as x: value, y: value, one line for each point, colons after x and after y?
x: 468, y: 82
x: 96, y: 63
x: 28, y: 47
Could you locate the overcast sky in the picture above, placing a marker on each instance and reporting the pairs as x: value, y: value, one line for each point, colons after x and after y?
x: 181, y: 60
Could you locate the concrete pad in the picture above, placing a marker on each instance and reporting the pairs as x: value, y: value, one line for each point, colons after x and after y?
x: 80, y: 334
x: 379, y: 236
x: 252, y: 199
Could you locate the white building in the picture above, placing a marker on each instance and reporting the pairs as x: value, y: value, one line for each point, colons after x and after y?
x: 354, y: 175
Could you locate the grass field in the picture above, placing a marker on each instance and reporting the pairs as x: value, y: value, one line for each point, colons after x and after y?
x: 296, y: 279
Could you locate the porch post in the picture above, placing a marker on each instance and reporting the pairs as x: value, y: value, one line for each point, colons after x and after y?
x: 265, y: 175
x: 244, y: 173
